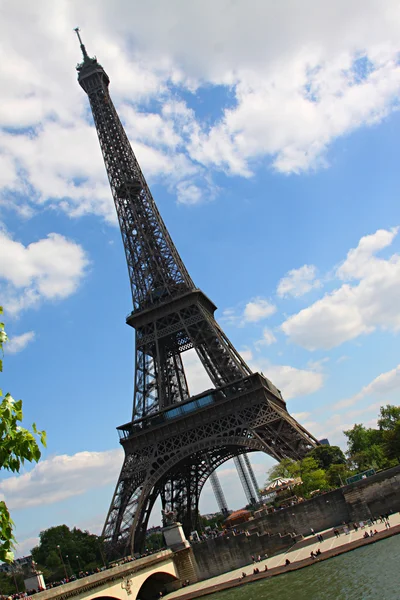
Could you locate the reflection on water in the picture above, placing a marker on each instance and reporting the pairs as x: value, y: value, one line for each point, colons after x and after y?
x: 370, y: 573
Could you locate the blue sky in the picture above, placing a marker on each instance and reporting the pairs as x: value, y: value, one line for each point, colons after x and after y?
x: 269, y: 136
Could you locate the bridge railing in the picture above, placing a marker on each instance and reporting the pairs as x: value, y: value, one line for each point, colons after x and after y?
x: 118, y: 572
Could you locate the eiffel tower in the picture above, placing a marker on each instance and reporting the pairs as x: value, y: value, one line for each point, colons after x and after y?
x: 174, y: 441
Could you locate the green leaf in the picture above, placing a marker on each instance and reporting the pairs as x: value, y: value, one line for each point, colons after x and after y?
x: 17, y: 445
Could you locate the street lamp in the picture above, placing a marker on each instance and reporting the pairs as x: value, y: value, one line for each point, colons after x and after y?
x: 79, y: 562
x: 101, y: 554
x: 69, y: 564
x: 62, y: 560
x: 15, y: 579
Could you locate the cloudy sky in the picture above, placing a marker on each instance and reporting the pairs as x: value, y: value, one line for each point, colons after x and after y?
x: 269, y: 135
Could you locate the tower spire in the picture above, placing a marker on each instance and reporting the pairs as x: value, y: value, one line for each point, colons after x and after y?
x: 85, y: 54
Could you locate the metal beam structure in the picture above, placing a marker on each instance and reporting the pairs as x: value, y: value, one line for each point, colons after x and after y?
x: 218, y: 493
x: 173, y: 439
x: 252, y: 476
x: 244, y: 479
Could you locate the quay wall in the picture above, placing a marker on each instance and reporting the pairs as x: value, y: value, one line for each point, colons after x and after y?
x: 276, y: 532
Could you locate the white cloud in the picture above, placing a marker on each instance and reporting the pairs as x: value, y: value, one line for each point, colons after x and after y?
x: 55, y: 479
x: 353, y: 309
x: 48, y: 269
x: 294, y: 382
x: 382, y: 385
x: 343, y: 358
x: 18, y: 343
x: 255, y: 310
x: 301, y: 416
x: 352, y: 414
x: 246, y: 354
x: 197, y: 377
x: 301, y: 75
x: 298, y: 282
x: 291, y: 381
x: 24, y: 547
x: 267, y: 339
x: 361, y: 261
x: 297, y: 109
x: 318, y: 365
x: 258, y: 309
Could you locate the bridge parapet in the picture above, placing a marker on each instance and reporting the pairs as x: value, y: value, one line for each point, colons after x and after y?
x: 87, y: 585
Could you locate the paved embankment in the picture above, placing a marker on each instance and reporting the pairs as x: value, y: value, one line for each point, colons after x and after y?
x: 299, y: 557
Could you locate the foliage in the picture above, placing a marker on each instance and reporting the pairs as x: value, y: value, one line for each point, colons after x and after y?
x: 326, y: 467
x: 327, y: 456
x: 308, y: 469
x: 375, y: 448
x: 78, y: 549
x: 337, y: 475
x: 391, y: 442
x: 389, y: 417
x: 17, y: 445
x: 285, y: 468
x: 313, y: 477
x: 10, y: 583
x: 214, y: 522
x: 155, y: 541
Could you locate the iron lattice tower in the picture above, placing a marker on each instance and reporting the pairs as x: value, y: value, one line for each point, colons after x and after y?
x: 174, y: 441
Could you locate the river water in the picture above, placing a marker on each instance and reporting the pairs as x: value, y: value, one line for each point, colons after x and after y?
x: 369, y: 573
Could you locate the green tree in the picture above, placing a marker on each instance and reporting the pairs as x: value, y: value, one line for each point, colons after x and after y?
x: 389, y: 417
x: 359, y: 439
x: 17, y: 445
x: 61, y: 541
x: 327, y: 456
x: 392, y: 442
x: 214, y: 522
x: 337, y: 475
x: 10, y: 583
x: 365, y: 448
x: 313, y: 477
x: 285, y: 468
x: 308, y: 469
x: 155, y: 541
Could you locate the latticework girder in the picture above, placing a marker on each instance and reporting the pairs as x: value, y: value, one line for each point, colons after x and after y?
x: 252, y: 476
x: 245, y: 480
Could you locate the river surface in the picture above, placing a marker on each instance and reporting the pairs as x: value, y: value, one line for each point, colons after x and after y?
x: 369, y: 573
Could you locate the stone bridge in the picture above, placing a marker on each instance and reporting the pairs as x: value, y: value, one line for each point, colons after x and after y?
x: 141, y: 579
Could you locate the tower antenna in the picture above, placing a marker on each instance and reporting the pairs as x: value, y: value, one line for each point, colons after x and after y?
x: 85, y: 54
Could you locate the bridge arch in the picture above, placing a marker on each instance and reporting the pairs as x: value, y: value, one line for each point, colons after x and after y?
x: 154, y: 584
x: 107, y: 598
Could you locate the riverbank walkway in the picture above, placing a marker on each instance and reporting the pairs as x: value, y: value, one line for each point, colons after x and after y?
x: 299, y: 556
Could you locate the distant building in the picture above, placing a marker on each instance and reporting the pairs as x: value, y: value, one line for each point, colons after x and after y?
x: 211, y: 516
x: 324, y: 442
x: 154, y: 529
x: 17, y: 565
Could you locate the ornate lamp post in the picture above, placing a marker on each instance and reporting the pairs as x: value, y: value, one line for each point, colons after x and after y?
x: 69, y: 564
x: 62, y: 560
x: 79, y: 563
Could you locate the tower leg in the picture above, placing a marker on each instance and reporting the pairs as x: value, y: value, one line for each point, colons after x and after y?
x: 247, y: 487
x: 252, y: 476
x: 217, y: 489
